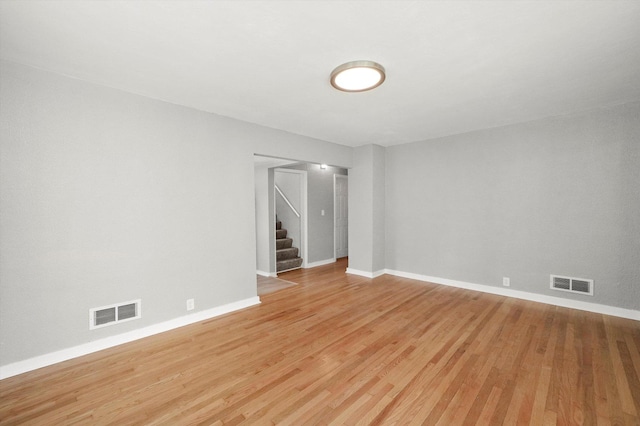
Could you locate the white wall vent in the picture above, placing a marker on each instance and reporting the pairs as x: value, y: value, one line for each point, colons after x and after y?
x: 114, y: 314
x: 572, y: 285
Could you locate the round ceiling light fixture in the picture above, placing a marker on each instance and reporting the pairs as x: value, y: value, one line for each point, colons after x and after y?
x: 357, y: 76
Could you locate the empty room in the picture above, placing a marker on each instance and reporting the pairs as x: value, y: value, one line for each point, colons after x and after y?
x: 319, y: 212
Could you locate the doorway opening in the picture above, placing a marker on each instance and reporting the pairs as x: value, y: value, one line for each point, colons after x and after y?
x: 316, y: 246
x: 291, y: 218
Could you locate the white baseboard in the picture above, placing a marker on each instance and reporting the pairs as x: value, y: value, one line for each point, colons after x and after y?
x: 320, y: 263
x: 20, y: 367
x: 266, y: 274
x: 365, y: 273
x: 549, y: 300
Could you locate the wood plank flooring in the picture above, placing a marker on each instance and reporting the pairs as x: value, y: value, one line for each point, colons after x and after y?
x: 344, y: 350
x: 267, y: 285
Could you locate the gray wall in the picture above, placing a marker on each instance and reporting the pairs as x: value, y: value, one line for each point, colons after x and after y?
x: 264, y: 226
x: 367, y: 209
x: 320, y: 197
x: 107, y: 197
x: 554, y: 196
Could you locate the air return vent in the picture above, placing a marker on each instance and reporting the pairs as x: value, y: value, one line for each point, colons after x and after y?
x: 114, y: 314
x: 572, y: 285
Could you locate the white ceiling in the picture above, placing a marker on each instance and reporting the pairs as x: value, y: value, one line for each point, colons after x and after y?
x: 452, y: 66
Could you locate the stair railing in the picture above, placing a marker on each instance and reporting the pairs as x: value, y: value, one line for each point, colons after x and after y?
x: 287, y: 201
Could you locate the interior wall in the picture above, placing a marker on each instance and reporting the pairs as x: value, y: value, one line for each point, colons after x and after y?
x: 320, y: 198
x: 108, y: 197
x: 367, y: 210
x: 554, y: 196
x: 263, y: 223
x: 378, y: 202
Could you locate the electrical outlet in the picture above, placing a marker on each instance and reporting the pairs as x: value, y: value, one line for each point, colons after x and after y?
x: 321, y: 212
x: 190, y: 305
x: 506, y: 282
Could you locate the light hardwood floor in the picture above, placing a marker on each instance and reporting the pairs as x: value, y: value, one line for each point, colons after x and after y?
x: 268, y: 285
x: 341, y: 349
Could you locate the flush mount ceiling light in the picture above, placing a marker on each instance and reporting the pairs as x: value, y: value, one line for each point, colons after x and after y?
x: 357, y: 76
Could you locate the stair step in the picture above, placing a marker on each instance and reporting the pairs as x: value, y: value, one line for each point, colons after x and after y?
x: 287, y: 253
x: 284, y: 243
x: 281, y: 233
x: 278, y: 225
x: 285, y: 265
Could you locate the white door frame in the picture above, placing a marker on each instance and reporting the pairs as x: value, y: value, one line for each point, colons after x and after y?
x: 303, y: 213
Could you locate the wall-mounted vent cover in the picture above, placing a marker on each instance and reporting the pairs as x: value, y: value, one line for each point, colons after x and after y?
x: 572, y: 285
x: 114, y: 314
